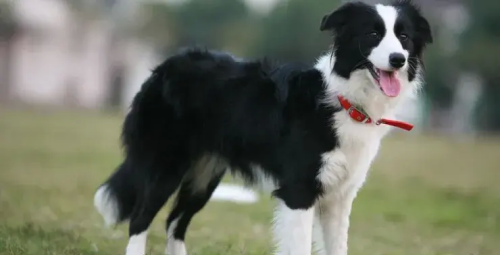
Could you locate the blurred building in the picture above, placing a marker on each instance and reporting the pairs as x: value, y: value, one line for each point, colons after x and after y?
x: 57, y: 58
x: 51, y: 56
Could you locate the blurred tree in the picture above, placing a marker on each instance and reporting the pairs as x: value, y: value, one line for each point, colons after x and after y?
x: 214, y: 24
x: 204, y: 21
x: 291, y: 31
x: 7, y: 32
x: 85, y: 10
x: 155, y: 24
x: 481, y: 49
x: 437, y: 88
x: 6, y: 17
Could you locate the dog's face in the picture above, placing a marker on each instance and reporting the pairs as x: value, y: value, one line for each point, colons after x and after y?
x: 382, y: 42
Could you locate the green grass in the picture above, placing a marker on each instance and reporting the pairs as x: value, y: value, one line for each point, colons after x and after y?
x: 425, y: 195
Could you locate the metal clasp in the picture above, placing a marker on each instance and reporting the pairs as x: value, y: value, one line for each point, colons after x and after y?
x: 360, y: 113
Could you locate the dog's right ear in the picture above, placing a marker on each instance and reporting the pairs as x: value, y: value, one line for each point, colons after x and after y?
x: 336, y: 20
x: 331, y: 22
x: 325, y: 23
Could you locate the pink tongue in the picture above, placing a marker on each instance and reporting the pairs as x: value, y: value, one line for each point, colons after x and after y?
x: 389, y: 83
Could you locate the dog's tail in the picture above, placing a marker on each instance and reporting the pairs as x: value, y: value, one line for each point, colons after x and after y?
x: 115, y: 198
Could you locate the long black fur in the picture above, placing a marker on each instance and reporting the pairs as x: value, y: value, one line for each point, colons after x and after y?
x: 202, y: 102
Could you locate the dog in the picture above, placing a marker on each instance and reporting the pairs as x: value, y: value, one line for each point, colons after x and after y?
x: 309, y: 132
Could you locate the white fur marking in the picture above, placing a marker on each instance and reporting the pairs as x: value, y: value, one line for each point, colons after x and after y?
x: 174, y: 246
x: 334, y: 169
x: 293, y: 230
x: 137, y: 244
x: 106, y: 206
x: 334, y: 220
x: 390, y: 43
x: 318, y: 239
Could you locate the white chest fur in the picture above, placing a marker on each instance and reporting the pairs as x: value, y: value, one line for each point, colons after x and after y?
x: 345, y: 169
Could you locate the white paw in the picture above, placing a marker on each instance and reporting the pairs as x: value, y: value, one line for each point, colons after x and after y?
x: 176, y: 247
x: 137, y: 244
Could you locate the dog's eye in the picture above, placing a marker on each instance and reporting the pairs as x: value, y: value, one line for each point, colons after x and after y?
x: 374, y: 34
x: 403, y: 37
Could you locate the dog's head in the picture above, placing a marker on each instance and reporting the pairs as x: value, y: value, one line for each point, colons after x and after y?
x: 380, y: 45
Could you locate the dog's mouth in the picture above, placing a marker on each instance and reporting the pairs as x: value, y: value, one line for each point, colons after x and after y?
x: 387, y: 81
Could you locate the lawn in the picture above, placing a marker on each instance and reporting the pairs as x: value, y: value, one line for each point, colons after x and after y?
x: 426, y: 195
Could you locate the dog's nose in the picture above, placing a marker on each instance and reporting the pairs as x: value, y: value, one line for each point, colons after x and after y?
x: 397, y: 60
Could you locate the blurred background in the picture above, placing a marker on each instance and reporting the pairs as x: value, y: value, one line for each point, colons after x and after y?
x: 70, y: 68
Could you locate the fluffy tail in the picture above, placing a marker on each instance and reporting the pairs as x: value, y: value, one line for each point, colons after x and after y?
x: 115, y: 199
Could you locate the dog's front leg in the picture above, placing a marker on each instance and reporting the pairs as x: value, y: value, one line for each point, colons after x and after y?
x: 334, y: 213
x: 293, y: 230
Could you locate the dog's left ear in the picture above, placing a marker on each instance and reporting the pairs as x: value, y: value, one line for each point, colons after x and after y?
x: 424, y: 29
x: 421, y: 24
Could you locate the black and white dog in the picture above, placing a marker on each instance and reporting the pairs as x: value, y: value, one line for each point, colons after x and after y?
x: 309, y: 131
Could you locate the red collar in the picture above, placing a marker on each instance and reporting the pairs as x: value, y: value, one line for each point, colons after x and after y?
x: 359, y: 116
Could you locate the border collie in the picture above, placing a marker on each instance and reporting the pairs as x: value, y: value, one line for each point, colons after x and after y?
x: 309, y: 131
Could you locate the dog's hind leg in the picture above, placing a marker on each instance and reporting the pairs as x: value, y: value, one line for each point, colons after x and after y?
x: 154, y: 193
x: 194, y: 194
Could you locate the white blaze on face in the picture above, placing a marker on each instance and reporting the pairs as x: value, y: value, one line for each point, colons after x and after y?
x: 390, y: 43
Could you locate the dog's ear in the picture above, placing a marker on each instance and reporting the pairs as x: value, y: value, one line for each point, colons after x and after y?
x: 424, y: 29
x: 336, y: 20
x: 326, y: 23
x: 421, y: 24
x: 333, y: 21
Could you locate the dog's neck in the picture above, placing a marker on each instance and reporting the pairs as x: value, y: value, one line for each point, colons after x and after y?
x: 361, y: 91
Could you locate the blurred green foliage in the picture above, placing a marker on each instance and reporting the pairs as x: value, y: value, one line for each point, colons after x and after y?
x: 6, y: 19
x: 289, y: 33
x: 480, y: 53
